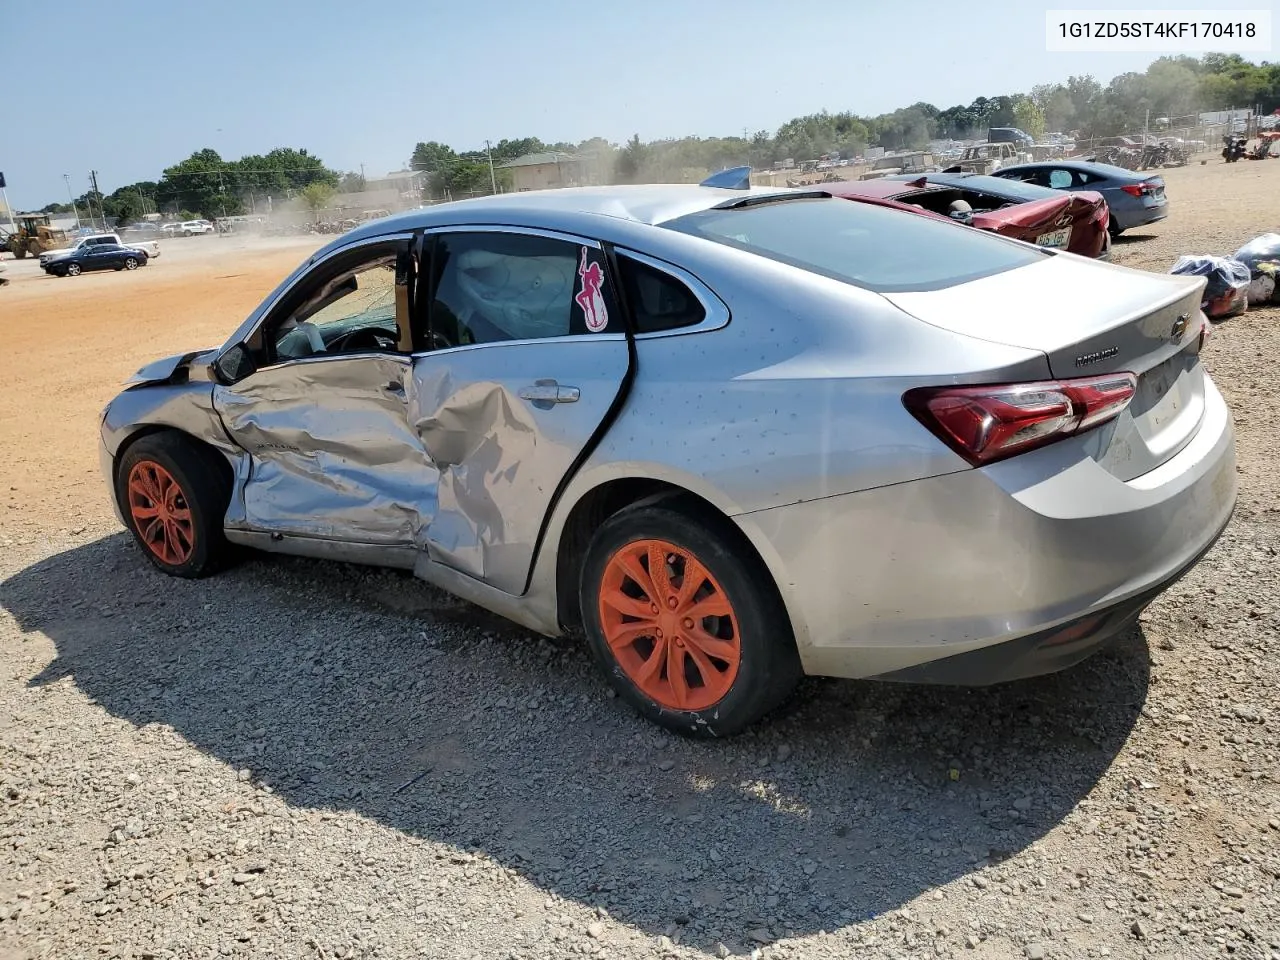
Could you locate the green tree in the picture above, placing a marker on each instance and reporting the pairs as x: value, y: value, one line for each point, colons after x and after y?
x: 199, y: 183
x: 317, y: 195
x: 1027, y: 117
x: 631, y: 160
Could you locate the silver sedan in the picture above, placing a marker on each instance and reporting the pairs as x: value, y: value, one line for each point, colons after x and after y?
x: 731, y: 436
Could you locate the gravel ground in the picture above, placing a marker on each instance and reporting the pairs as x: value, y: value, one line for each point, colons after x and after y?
x: 302, y: 759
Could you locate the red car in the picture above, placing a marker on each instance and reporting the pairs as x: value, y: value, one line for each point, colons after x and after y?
x: 1076, y: 221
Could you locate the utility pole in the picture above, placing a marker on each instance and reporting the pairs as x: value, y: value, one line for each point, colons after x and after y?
x: 142, y: 199
x: 493, y: 179
x: 67, y: 180
x: 93, y: 178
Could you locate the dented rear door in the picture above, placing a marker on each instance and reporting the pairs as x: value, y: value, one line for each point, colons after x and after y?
x: 531, y: 356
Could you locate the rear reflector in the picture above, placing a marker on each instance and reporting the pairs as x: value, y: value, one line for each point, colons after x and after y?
x: 989, y: 423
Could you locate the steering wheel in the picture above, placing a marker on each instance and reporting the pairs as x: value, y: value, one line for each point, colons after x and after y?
x: 369, y: 338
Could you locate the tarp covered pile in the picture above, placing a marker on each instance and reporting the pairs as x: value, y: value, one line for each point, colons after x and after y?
x: 1235, y: 282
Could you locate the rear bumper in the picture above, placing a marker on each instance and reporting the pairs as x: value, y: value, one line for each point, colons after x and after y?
x: 1136, y: 216
x: 1045, y: 651
x: 890, y: 580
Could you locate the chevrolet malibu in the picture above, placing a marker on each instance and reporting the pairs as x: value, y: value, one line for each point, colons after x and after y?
x: 728, y: 435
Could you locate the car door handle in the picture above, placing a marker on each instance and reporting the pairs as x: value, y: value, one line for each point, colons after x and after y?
x: 548, y: 391
x: 395, y: 386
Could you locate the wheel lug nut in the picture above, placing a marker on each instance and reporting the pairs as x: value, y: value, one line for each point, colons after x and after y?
x: 653, y: 607
x: 658, y: 634
x: 688, y: 623
x: 671, y: 602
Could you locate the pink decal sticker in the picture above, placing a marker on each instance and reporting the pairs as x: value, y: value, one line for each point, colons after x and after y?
x: 589, y: 298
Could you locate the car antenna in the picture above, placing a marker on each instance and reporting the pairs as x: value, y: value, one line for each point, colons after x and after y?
x: 735, y: 178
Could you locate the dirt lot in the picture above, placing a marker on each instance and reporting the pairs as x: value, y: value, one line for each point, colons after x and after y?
x: 300, y: 759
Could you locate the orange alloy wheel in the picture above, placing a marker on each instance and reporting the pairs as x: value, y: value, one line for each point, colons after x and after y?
x: 670, y: 625
x: 160, y: 512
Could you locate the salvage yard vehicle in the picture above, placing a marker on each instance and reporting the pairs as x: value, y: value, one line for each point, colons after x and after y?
x: 730, y: 435
x: 98, y: 256
x: 986, y: 158
x: 1134, y: 200
x: 149, y: 247
x: 1076, y: 222
x: 895, y: 163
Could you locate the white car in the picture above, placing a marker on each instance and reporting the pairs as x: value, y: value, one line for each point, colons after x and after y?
x: 149, y: 247
x: 191, y: 228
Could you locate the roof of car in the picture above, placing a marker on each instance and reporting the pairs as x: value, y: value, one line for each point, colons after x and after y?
x: 1085, y: 165
x: 882, y: 188
x: 649, y: 204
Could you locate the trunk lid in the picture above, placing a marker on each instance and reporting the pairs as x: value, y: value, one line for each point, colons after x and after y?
x: 1090, y: 318
x: 1027, y: 220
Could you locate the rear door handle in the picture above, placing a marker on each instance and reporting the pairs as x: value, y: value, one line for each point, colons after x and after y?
x: 548, y: 392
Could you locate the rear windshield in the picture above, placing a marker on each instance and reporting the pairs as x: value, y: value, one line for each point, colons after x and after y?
x: 1007, y: 188
x: 1114, y: 172
x: 877, y: 248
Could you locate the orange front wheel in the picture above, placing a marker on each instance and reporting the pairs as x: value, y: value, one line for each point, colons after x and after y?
x: 160, y: 513
x: 173, y: 494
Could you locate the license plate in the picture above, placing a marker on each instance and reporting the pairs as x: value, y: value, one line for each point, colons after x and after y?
x: 1160, y: 394
x: 1058, y: 238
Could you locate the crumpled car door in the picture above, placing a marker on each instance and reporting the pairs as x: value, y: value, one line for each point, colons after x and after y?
x: 331, y: 451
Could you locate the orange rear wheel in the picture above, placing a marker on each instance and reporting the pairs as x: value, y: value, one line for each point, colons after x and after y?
x: 160, y: 512
x: 669, y: 625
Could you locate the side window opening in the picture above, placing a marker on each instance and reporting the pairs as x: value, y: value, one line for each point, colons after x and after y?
x: 658, y: 301
x: 492, y: 287
x: 354, y: 305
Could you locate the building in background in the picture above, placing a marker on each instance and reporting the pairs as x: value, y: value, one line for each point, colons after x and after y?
x: 409, y: 186
x: 542, y: 171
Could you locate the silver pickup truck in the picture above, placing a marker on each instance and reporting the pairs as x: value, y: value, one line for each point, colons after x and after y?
x: 149, y: 247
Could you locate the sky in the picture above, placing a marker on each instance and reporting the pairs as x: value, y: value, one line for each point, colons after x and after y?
x: 130, y: 89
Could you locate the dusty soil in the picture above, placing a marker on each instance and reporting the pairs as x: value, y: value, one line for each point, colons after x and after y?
x: 302, y: 759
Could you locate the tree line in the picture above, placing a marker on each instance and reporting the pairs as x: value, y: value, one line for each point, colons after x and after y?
x: 207, y: 185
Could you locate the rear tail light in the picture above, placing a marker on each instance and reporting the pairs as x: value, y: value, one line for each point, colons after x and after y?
x: 989, y: 423
x: 1146, y: 188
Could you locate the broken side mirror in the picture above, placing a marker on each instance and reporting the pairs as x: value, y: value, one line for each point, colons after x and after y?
x: 235, y: 364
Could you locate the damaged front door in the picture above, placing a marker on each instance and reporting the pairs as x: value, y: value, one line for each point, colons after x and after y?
x: 323, y: 415
x: 530, y: 355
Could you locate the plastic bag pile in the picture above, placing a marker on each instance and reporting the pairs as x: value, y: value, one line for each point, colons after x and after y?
x: 1235, y: 282
x: 1262, y: 256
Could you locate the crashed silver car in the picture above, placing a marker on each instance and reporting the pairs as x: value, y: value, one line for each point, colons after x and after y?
x: 729, y: 435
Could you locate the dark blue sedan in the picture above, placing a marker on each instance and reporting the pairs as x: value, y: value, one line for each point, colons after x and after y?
x: 103, y: 256
x: 1134, y: 199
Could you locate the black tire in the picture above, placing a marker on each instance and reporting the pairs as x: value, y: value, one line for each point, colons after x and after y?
x: 769, y: 665
x: 71, y: 270
x: 1113, y: 228
x: 205, y: 484
x: 131, y: 263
